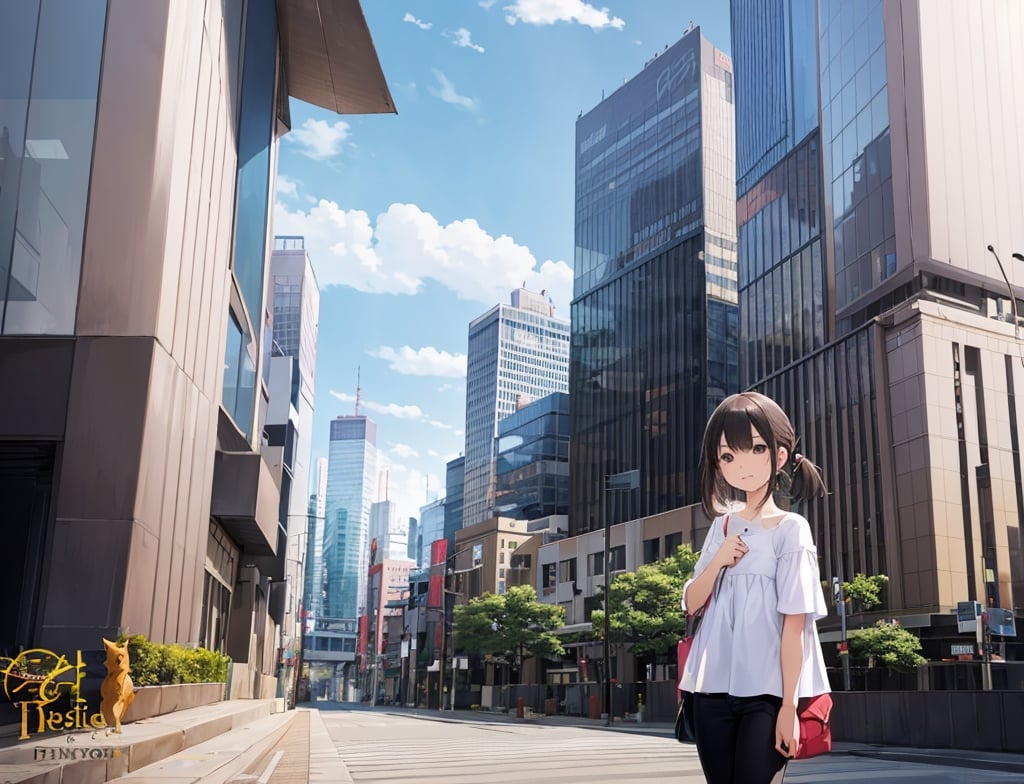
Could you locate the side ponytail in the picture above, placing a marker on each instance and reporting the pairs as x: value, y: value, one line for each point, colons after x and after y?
x: 800, y: 480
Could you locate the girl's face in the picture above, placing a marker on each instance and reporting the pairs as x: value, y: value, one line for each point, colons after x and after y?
x: 748, y: 470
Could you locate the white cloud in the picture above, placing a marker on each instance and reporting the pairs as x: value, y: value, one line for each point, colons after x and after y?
x: 318, y: 139
x: 542, y: 12
x: 486, y: 4
x: 286, y: 187
x: 451, y: 388
x: 387, y: 409
x: 462, y: 37
x: 409, y: 246
x: 404, y: 450
x: 447, y: 93
x: 419, y: 23
x: 433, y: 453
x: 427, y: 361
x: 439, y: 425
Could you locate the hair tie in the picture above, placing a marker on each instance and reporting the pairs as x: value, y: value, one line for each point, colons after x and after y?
x: 797, y: 459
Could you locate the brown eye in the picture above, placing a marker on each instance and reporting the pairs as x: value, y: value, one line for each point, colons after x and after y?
x: 760, y: 449
x: 726, y: 458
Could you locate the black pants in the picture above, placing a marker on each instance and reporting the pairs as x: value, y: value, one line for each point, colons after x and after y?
x: 736, y: 738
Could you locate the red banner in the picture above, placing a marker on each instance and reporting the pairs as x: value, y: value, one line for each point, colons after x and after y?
x: 438, y: 559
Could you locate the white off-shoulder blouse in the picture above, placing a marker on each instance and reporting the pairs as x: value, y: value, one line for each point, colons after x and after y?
x: 737, y: 649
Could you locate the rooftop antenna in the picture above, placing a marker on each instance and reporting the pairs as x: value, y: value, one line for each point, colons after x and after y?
x: 359, y: 389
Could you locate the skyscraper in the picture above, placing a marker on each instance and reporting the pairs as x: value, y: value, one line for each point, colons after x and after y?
x: 351, y: 487
x: 390, y: 531
x: 455, y: 484
x: 135, y: 187
x: 532, y: 460
x: 295, y: 299
x: 517, y: 353
x: 654, y: 312
x: 314, y: 592
x: 872, y: 309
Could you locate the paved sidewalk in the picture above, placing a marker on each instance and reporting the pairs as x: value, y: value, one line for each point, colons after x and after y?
x: 978, y: 760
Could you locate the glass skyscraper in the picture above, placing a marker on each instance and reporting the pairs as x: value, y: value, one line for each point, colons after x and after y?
x: 532, y: 460
x: 870, y: 305
x: 351, y: 489
x: 517, y: 354
x: 654, y: 325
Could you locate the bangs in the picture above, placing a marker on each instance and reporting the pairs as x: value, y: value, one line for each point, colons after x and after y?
x: 737, y: 423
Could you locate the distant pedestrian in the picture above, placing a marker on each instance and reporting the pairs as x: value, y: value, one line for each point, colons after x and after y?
x: 757, y: 650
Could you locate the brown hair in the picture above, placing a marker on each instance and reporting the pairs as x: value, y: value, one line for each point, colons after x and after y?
x: 799, y: 479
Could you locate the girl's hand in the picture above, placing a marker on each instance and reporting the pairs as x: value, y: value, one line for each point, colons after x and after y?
x: 731, y: 551
x: 787, y: 732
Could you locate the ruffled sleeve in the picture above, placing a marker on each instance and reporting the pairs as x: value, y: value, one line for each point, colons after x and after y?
x: 797, y: 578
x: 712, y: 542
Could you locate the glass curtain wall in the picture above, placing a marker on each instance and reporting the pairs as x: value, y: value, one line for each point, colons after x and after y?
x: 50, y: 52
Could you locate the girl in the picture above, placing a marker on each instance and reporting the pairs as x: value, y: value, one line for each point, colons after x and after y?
x: 756, y: 651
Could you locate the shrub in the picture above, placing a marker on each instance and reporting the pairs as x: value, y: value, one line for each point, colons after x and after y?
x: 160, y: 664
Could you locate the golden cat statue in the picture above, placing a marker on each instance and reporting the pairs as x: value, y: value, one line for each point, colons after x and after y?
x: 116, y: 690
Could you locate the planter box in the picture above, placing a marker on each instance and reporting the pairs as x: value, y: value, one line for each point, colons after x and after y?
x: 157, y: 700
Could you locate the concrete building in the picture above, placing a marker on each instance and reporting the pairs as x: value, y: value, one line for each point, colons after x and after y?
x: 135, y: 186
x: 871, y: 306
x: 654, y: 331
x: 517, y: 353
x: 483, y: 555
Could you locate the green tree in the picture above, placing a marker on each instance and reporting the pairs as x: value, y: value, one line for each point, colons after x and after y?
x: 888, y: 645
x: 865, y: 592
x: 512, y: 624
x: 645, y: 605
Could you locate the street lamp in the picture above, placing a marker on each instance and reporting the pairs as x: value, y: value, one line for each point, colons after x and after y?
x: 625, y: 481
x: 1013, y: 299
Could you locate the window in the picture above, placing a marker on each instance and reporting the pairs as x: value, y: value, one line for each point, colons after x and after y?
x: 652, y: 550
x: 618, y: 558
x: 672, y: 543
x: 216, y: 606
x: 549, y: 578
x: 48, y: 83
x: 595, y: 564
x: 567, y: 571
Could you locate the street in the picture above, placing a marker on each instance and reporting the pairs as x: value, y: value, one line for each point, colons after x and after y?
x: 379, y: 746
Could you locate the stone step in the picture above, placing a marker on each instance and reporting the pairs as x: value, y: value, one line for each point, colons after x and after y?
x: 218, y: 760
x: 92, y: 756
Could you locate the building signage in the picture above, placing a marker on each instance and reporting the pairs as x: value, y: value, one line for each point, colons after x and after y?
x: 961, y: 650
x: 967, y: 616
x: 36, y: 680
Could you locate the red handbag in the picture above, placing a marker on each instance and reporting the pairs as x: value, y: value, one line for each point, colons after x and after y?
x: 815, y: 731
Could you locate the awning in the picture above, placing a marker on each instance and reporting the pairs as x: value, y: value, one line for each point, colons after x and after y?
x: 329, y: 57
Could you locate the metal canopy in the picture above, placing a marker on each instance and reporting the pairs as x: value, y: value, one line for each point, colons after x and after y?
x: 329, y: 57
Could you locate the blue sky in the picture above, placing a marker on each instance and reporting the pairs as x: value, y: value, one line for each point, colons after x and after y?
x: 419, y: 222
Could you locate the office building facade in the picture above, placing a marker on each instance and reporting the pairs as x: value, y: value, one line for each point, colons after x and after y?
x: 134, y: 245
x: 654, y: 309
x: 295, y: 300
x: 882, y: 322
x: 532, y: 460
x: 454, y: 497
x: 352, y: 467
x: 517, y: 353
